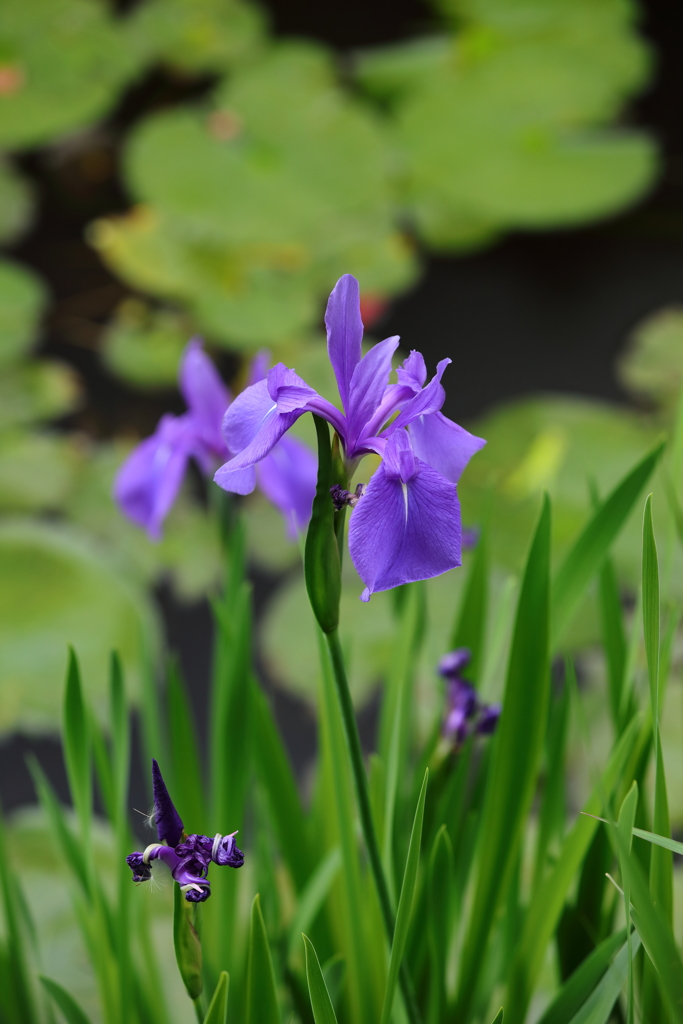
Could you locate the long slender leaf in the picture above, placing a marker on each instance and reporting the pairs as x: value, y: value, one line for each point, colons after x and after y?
x: 262, y: 1000
x: 512, y: 776
x: 313, y: 896
x: 440, y: 885
x: 578, y: 987
x: 18, y: 983
x: 218, y: 1007
x: 323, y: 1011
x: 405, y: 904
x: 498, y: 1019
x: 585, y: 557
x: 549, y: 896
x: 188, y: 788
x: 650, y: 582
x: 65, y: 1001
x: 77, y: 745
x: 614, y: 639
x: 470, y: 628
x: 598, y: 1007
x: 627, y: 815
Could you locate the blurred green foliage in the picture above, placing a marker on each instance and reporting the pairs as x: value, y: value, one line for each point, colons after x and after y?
x: 287, y: 169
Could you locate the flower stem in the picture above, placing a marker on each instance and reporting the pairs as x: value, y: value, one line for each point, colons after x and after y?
x: 363, y: 797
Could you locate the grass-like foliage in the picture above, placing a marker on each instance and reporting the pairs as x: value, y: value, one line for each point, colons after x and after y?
x: 430, y: 882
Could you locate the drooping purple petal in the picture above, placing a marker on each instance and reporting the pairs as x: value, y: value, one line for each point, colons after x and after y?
x: 443, y: 444
x: 406, y: 526
x: 226, y: 852
x: 272, y: 428
x: 367, y: 386
x: 287, y: 389
x: 247, y: 414
x: 205, y: 393
x: 488, y: 720
x: 168, y: 822
x: 452, y: 664
x: 287, y: 476
x: 148, y: 482
x: 344, y: 333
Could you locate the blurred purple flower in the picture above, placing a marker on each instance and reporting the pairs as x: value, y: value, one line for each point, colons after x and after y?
x: 465, y: 713
x: 187, y: 857
x: 148, y: 482
x: 406, y: 523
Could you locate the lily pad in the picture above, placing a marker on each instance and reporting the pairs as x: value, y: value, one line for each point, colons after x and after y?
x: 56, y: 589
x: 16, y: 204
x: 652, y: 365
x: 37, y: 470
x: 37, y: 391
x: 22, y: 298
x: 143, y: 346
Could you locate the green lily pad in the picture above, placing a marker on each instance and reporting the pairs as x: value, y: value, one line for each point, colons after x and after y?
x: 62, y: 63
x: 37, y: 391
x: 37, y: 470
x: 57, y: 589
x: 652, y: 365
x: 251, y: 209
x: 195, y: 35
x: 16, y: 204
x: 22, y: 298
x: 143, y: 346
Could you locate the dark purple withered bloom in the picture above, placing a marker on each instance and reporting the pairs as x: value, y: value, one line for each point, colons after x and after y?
x: 187, y: 857
x: 148, y: 482
x: 406, y: 525
x: 465, y: 713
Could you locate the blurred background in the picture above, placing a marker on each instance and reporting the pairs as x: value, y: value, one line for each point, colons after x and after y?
x: 504, y: 177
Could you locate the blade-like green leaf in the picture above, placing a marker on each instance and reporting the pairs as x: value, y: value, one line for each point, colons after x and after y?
x: 439, y: 885
x: 650, y: 581
x: 498, y: 1019
x: 66, y: 1002
x: 323, y: 1011
x: 71, y: 848
x: 218, y: 1007
x: 77, y: 744
x: 470, y: 628
x: 614, y: 638
x: 578, y: 987
x: 512, y: 777
x: 188, y: 947
x: 18, y: 990
x: 313, y: 896
x: 668, y: 844
x: 187, y: 784
x: 585, y: 557
x: 405, y: 904
x: 598, y: 1007
x: 549, y: 896
x: 286, y: 813
x: 262, y: 1000
x: 627, y: 815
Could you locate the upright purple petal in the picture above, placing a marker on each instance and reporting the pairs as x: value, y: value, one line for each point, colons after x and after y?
x: 287, y: 389
x: 258, y: 369
x: 344, y: 333
x: 443, y: 444
x: 427, y: 401
x: 367, y: 387
x: 168, y: 822
x: 148, y: 482
x: 205, y: 393
x: 406, y: 526
x: 413, y: 371
x: 287, y: 477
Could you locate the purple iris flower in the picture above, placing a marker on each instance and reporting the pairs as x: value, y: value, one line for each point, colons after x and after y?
x: 405, y: 524
x: 187, y: 857
x: 465, y: 713
x: 148, y: 482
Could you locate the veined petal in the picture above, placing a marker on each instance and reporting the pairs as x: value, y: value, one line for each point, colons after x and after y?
x: 274, y: 425
x: 287, y: 389
x: 367, y: 387
x: 413, y: 371
x: 344, y: 333
x: 443, y: 444
x: 148, y: 482
x: 405, y: 531
x: 206, y: 395
x: 247, y: 415
x: 287, y: 477
x: 237, y: 481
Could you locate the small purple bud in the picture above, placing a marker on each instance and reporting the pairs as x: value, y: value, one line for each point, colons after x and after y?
x: 341, y: 497
x: 225, y: 851
x: 168, y: 822
x: 488, y: 719
x: 452, y: 664
x: 196, y: 893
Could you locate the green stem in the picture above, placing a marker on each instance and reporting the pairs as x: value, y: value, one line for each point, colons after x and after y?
x: 198, y: 1004
x: 363, y: 797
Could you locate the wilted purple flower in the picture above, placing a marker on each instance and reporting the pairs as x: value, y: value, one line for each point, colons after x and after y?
x: 187, y: 857
x: 465, y: 713
x: 406, y: 525
x: 148, y: 482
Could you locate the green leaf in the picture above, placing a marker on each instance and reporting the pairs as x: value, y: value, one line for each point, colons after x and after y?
x: 440, y: 889
x: 512, y: 775
x: 586, y: 555
x: 578, y: 987
x: 598, y: 1007
x: 66, y: 1003
x: 498, y: 1019
x: 470, y: 629
x: 77, y: 745
x: 650, y: 583
x: 664, y: 841
x: 18, y: 985
x: 187, y: 944
x: 627, y: 815
x: 312, y: 897
x: 22, y: 299
x: 262, y: 999
x: 405, y: 904
x: 187, y: 785
x: 323, y: 1011
x: 549, y: 896
x: 218, y: 1007
x: 613, y: 638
